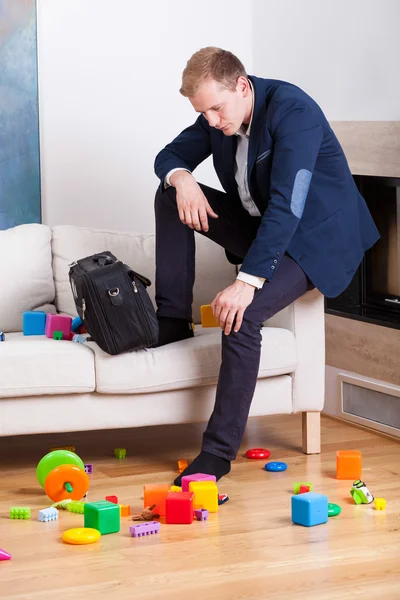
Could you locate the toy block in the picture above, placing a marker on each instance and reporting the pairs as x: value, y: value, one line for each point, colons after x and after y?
x: 48, y: 514
x: 62, y: 504
x: 20, y: 512
x: 103, y: 516
x: 201, y: 514
x: 89, y: 469
x: 119, y: 452
x: 182, y: 465
x: 205, y: 495
x: 70, y: 448
x: 79, y: 339
x: 309, y: 509
x: 34, y: 322
x: 58, y: 323
x: 144, y: 529
x: 57, y: 335
x: 76, y: 323
x: 304, y: 489
x: 125, y: 510
x: 222, y: 498
x: 380, y: 503
x: 207, y: 316
x: 298, y: 484
x: 76, y: 507
x: 2, y: 337
x: 179, y: 508
x: 348, y: 464
x: 4, y: 555
x: 156, y: 494
x: 112, y: 499
x: 175, y: 488
x: 187, y: 479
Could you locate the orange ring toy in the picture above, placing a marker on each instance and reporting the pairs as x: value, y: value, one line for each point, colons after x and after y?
x: 56, y: 482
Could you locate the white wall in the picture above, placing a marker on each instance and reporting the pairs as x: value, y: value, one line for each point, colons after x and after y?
x: 109, y: 78
x: 344, y: 53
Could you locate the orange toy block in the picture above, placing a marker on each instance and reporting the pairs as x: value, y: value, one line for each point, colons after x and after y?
x: 182, y: 465
x: 348, y: 464
x: 207, y: 317
x: 125, y: 510
x: 156, y: 494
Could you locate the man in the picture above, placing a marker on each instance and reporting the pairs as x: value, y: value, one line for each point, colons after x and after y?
x: 290, y: 215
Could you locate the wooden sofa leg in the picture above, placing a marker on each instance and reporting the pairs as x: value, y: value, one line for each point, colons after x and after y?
x: 311, y: 428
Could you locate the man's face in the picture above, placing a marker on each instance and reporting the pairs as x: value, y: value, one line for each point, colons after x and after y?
x: 224, y: 109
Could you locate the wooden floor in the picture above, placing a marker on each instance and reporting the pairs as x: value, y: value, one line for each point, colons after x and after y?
x: 249, y: 550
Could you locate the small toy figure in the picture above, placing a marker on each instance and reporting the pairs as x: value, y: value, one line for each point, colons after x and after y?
x: 146, y: 514
x: 360, y: 493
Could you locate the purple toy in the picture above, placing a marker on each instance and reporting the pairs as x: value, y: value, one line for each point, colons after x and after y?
x: 195, y: 477
x: 89, y: 469
x: 201, y: 514
x: 58, y: 323
x: 144, y: 529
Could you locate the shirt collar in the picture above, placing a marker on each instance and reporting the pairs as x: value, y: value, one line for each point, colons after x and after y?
x: 242, y: 132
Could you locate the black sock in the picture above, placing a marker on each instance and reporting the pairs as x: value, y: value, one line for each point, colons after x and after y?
x: 173, y: 330
x: 207, y: 463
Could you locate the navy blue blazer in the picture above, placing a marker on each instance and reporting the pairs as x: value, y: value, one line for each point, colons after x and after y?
x: 298, y: 177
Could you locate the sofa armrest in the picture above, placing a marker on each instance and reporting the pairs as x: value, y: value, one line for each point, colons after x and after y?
x: 306, y: 319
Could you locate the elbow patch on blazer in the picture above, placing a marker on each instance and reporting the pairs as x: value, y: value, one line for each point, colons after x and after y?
x: 300, y: 191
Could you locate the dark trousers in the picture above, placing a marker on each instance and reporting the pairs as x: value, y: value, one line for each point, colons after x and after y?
x: 234, y: 230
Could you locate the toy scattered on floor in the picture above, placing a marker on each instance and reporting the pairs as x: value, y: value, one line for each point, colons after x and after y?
x: 187, y: 479
x: 309, y: 509
x: 89, y: 469
x: 258, y: 453
x: 201, y: 514
x: 2, y: 337
x: 360, y: 493
x: 125, y: 510
x: 62, y: 475
x: 182, y: 465
x: 113, y: 499
x: 175, y: 488
x: 179, y: 508
x: 348, y: 464
x: 20, y: 512
x: 33, y: 322
x: 57, y: 335
x: 156, y: 494
x: 76, y: 507
x: 81, y: 535
x: 4, y: 555
x: 103, y: 516
x: 58, y: 323
x: 119, y: 452
x: 205, y: 495
x: 222, y: 498
x: 380, y: 503
x: 274, y: 467
x: 207, y: 316
x: 144, y: 529
x: 333, y: 509
x: 302, y: 487
x: 147, y: 514
x: 62, y: 504
x: 48, y: 514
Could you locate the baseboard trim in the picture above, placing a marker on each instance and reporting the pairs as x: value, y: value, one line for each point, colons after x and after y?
x: 394, y: 438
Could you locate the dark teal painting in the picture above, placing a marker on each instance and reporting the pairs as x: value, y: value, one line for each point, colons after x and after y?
x: 19, y: 115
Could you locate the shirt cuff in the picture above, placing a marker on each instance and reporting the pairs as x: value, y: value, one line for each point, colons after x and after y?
x: 168, y: 175
x: 257, y: 282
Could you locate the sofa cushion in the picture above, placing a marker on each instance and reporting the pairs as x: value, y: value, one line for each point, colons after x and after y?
x: 69, y: 243
x: 188, y: 363
x: 26, y: 274
x: 36, y: 366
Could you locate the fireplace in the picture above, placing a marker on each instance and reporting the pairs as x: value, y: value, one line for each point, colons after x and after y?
x: 374, y: 293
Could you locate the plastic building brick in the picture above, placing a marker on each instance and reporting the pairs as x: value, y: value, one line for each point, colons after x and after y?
x: 2, y: 337
x: 309, y: 509
x: 34, y: 322
x: 297, y: 485
x: 360, y: 493
x: 4, y: 555
x: 182, y: 465
x: 62, y: 504
x: 205, y: 495
x: 48, y: 514
x: 79, y: 339
x: 89, y: 469
x: 179, y: 506
x: 380, y: 503
x: 76, y: 323
x: 120, y: 452
x: 348, y: 464
x: 103, y: 516
x: 156, y: 494
x: 58, y: 323
x: 57, y: 335
x: 70, y: 448
x: 144, y: 529
x: 175, y: 488
x: 207, y: 316
x: 113, y: 499
x: 20, y: 512
x: 76, y: 507
x: 125, y: 510
x: 201, y: 514
x: 304, y: 489
x: 187, y: 479
x: 222, y: 498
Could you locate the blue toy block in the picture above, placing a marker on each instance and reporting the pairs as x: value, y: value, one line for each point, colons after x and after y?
x: 309, y: 509
x: 76, y: 323
x: 34, y: 322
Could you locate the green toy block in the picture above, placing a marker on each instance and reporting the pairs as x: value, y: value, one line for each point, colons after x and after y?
x: 119, y: 452
x: 76, y: 507
x: 20, y: 512
x: 57, y: 335
x: 296, y: 486
x: 103, y: 516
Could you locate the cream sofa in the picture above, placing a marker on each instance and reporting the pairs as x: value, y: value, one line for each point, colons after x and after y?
x: 54, y: 386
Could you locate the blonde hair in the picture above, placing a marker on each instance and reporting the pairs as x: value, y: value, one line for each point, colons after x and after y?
x: 211, y: 63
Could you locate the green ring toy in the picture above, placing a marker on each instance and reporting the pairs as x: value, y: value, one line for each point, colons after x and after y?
x: 55, y: 459
x: 333, y: 510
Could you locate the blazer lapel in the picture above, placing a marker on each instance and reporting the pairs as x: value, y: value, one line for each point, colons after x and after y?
x: 257, y: 124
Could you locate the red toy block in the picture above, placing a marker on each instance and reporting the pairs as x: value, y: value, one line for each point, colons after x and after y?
x: 304, y: 489
x: 179, y: 507
x: 113, y: 499
x: 58, y: 323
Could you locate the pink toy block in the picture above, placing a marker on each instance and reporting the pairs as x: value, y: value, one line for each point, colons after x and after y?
x: 4, y: 555
x: 58, y: 323
x: 187, y: 479
x: 201, y: 514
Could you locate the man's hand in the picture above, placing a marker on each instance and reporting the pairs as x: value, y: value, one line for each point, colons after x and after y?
x: 193, y: 206
x: 231, y: 303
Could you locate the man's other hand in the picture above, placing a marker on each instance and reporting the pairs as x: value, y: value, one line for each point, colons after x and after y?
x: 231, y: 303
